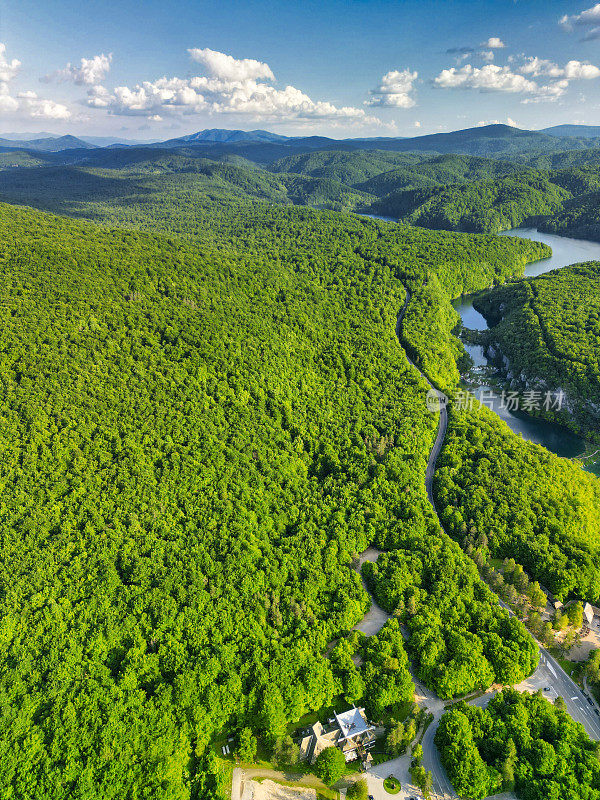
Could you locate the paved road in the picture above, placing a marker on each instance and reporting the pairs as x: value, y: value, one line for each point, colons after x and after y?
x: 436, y: 449
x: 548, y: 674
x: 443, y: 412
x: 431, y: 760
x: 442, y: 788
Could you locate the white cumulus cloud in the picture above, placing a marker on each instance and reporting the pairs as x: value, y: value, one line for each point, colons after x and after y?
x: 573, y: 70
x: 494, y: 78
x: 8, y: 69
x: 489, y: 78
x: 26, y: 103
x: 91, y: 71
x: 588, y: 21
x: 395, y: 90
x: 494, y: 43
x: 231, y: 86
x: 540, y: 66
x: 40, y: 107
x: 548, y: 93
x: 228, y: 68
x: 579, y: 69
x: 8, y: 104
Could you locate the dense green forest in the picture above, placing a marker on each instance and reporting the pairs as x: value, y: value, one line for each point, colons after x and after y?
x: 480, y: 206
x: 558, y: 201
x: 336, y: 180
x: 207, y: 416
x: 520, y: 742
x: 449, y: 191
x: 549, y: 330
x: 379, y: 172
x: 439, y: 268
x: 199, y: 432
x: 349, y: 168
x: 579, y: 218
x: 540, y: 509
x: 211, y: 179
x: 459, y: 637
x: 374, y: 670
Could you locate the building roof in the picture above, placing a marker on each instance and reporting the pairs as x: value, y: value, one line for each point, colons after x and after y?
x: 588, y: 612
x: 352, y: 723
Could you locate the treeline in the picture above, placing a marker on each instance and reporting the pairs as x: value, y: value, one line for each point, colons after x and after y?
x: 520, y: 743
x: 460, y: 639
x: 548, y: 329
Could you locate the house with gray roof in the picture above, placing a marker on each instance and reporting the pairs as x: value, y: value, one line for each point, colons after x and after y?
x: 350, y: 731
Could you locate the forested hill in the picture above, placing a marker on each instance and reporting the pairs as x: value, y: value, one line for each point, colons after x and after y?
x: 468, y: 492
x: 548, y: 330
x: 338, y: 181
x: 543, y: 198
x: 496, y: 141
x: 199, y: 431
x: 140, y: 173
x: 557, y: 191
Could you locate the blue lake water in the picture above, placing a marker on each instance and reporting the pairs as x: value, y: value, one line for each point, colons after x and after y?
x: 559, y: 440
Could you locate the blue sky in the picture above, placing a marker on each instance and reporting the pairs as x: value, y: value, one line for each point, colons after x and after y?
x: 367, y: 67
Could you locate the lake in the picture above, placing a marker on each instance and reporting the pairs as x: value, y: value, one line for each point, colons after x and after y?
x: 554, y: 437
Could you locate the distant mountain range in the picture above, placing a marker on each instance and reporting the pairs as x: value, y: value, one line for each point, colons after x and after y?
x: 106, y: 141
x: 263, y: 147
x: 222, y: 135
x: 42, y: 141
x: 585, y: 131
x: 24, y: 136
x: 50, y: 144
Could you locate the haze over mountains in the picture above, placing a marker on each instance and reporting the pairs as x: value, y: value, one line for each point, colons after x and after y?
x: 590, y: 131
x: 48, y: 144
x: 422, y: 180
x: 266, y: 147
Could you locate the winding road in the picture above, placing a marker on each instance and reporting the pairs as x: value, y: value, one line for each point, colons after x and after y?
x: 549, y: 675
x: 441, y: 405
